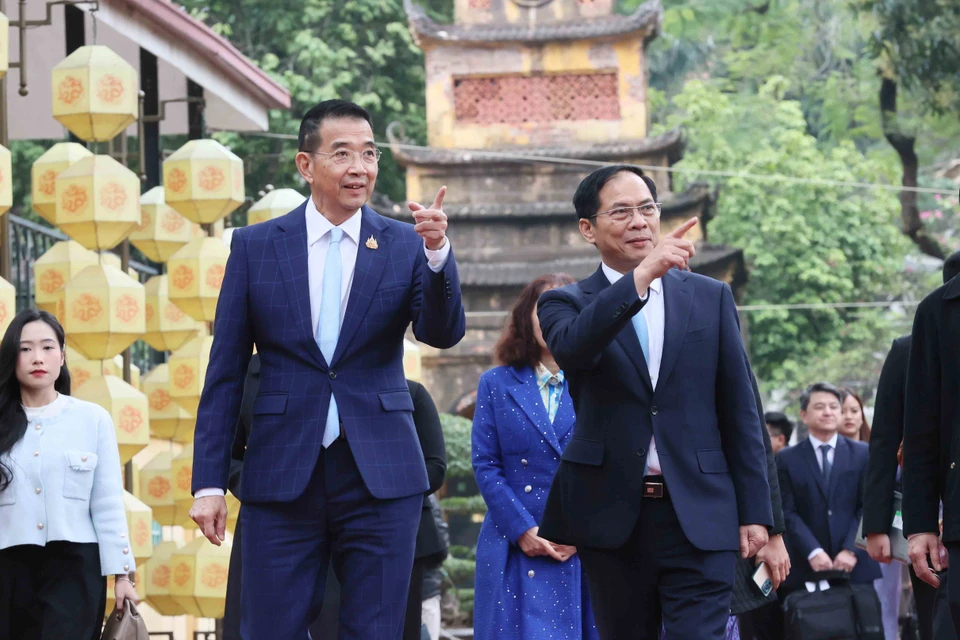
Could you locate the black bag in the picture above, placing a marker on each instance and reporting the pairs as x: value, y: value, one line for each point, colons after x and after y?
x: 843, y: 612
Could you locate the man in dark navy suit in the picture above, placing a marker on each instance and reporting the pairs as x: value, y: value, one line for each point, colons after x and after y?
x: 821, y: 485
x: 333, y: 470
x: 664, y: 479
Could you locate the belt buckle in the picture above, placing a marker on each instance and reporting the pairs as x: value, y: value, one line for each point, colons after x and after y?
x: 652, y: 489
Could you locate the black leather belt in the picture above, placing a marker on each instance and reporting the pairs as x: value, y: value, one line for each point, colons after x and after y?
x: 654, y: 487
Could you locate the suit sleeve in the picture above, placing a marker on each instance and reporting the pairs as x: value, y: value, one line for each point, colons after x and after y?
x: 427, y: 421
x: 576, y: 338
x: 797, y: 530
x: 775, y: 501
x: 740, y: 426
x: 502, y: 503
x: 885, y: 438
x: 437, y: 308
x: 921, y: 429
x: 230, y: 355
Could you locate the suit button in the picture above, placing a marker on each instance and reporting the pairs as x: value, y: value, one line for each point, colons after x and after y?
x: 531, y: 573
x: 641, y: 451
x: 332, y: 374
x: 953, y: 464
x: 829, y: 512
x: 524, y: 462
x: 527, y: 489
x: 654, y: 411
x: 38, y: 490
x: 40, y: 526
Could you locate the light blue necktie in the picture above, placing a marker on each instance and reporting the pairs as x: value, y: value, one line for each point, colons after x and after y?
x: 643, y: 334
x: 328, y: 330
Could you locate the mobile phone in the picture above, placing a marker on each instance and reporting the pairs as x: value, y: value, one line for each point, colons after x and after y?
x: 761, y: 577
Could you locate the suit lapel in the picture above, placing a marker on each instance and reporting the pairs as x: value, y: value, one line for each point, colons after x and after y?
x: 366, y: 275
x: 677, y: 303
x: 526, y: 393
x: 291, y: 248
x: 811, y: 457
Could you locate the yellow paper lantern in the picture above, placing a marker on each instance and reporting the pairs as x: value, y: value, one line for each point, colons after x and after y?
x: 140, y: 526
x: 112, y: 259
x: 81, y: 369
x: 127, y: 406
x: 168, y: 420
x: 162, y: 231
x: 200, y: 572
x: 114, y: 367
x: 412, y: 367
x: 44, y: 173
x: 188, y: 370
x: 6, y: 180
x: 98, y: 202
x: 103, y: 311
x: 181, y: 469
x: 95, y: 93
x: 8, y: 305
x: 55, y: 268
x: 168, y: 326
x: 4, y: 45
x: 278, y: 202
x: 203, y: 180
x: 196, y: 275
x: 156, y: 491
x: 156, y: 575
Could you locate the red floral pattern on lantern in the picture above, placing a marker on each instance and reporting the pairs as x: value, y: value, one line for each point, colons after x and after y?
x: 215, y: 276
x: 479, y: 5
x: 127, y: 308
x: 51, y: 281
x: 172, y: 222
x: 182, y: 277
x: 113, y: 196
x: 183, y: 376
x: 159, y: 400
x: 79, y: 376
x: 74, y: 198
x: 158, y: 487
x: 141, y: 533
x: 110, y: 89
x: 177, y: 180
x: 48, y: 182
x: 182, y: 574
x: 149, y: 312
x: 145, y: 221
x: 69, y: 90
x: 544, y: 98
x: 130, y: 419
x: 184, y: 478
x: 214, y: 576
x: 160, y: 576
x: 174, y: 313
x: 210, y: 178
x: 87, y: 308
x: 4, y: 314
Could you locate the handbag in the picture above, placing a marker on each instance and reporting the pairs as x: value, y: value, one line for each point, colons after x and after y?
x: 125, y: 625
x: 845, y: 611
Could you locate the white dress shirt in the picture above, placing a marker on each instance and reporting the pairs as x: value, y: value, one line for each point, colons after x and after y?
x: 318, y: 241
x: 830, y: 456
x: 653, y: 313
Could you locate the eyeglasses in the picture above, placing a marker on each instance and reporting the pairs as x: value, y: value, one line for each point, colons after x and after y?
x: 622, y: 214
x: 346, y: 156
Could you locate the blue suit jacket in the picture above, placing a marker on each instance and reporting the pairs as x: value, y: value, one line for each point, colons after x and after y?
x: 265, y: 300
x: 822, y: 515
x: 703, y: 414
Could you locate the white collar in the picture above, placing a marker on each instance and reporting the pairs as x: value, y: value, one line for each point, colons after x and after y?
x: 816, y: 443
x: 614, y: 275
x: 318, y: 225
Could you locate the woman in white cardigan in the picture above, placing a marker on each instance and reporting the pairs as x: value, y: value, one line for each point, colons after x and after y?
x: 62, y: 524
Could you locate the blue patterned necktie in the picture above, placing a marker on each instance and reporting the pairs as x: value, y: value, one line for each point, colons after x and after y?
x: 643, y: 334
x: 328, y: 330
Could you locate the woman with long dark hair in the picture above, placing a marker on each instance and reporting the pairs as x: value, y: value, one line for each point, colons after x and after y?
x: 62, y: 524
x: 853, y: 423
x: 527, y: 587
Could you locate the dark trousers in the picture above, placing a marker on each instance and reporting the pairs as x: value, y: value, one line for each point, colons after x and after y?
x: 52, y: 592
x: 287, y: 549
x: 658, y: 575
x: 762, y: 623
x: 924, y: 598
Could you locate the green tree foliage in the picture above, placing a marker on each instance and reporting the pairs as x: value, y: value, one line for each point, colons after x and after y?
x: 359, y: 50
x: 803, y: 243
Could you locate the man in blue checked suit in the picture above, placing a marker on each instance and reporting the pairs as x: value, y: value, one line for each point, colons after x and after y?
x: 333, y: 470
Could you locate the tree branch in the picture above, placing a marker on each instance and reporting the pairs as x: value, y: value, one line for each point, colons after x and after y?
x: 904, y: 144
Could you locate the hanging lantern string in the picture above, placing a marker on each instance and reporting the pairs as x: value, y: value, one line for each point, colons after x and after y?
x: 93, y: 18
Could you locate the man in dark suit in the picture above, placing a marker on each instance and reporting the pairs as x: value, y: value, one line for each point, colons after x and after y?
x: 780, y: 429
x: 666, y: 417
x: 333, y: 469
x: 821, y: 483
x: 931, y: 438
